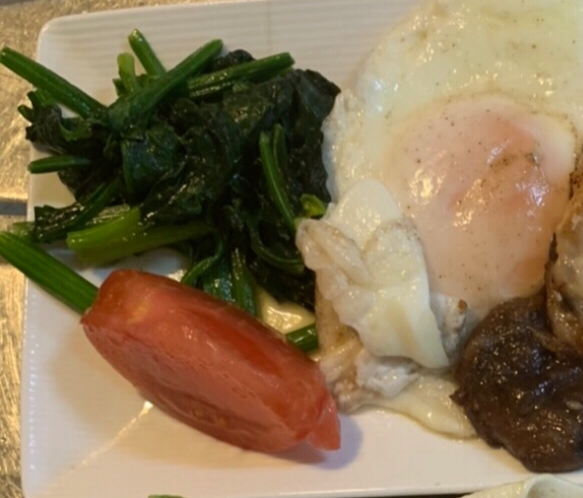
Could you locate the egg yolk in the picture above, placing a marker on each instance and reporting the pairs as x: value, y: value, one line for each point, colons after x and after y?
x: 486, y: 183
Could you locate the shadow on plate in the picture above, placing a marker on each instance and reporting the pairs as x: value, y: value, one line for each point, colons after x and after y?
x: 351, y: 438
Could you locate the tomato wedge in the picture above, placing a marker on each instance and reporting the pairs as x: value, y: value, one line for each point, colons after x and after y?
x: 211, y: 365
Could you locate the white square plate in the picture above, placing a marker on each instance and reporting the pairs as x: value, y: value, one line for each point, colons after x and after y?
x: 85, y: 432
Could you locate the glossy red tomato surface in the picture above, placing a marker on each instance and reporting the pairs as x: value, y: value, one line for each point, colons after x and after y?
x: 211, y: 365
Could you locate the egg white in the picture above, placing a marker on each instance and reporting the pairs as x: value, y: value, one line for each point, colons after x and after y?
x: 424, y: 94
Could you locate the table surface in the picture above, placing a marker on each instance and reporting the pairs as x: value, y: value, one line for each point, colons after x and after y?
x: 20, y: 22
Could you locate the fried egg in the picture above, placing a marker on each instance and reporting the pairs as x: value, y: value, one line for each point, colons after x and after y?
x: 470, y: 113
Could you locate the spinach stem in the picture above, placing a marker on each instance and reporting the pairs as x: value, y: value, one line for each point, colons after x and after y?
x: 200, y: 267
x: 127, y: 72
x: 125, y: 113
x: 58, y: 87
x: 244, y: 288
x: 109, y: 231
x: 273, y: 156
x: 217, y: 281
x: 293, y: 265
x: 255, y: 71
x: 134, y: 242
x: 56, y: 163
x: 145, y: 54
x: 312, y: 206
x: 305, y: 338
x: 48, y: 272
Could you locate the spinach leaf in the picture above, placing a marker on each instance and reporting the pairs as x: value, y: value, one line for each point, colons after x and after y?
x: 211, y: 153
x: 147, y: 159
x: 220, y: 154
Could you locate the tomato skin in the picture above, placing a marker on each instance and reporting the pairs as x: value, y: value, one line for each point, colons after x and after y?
x: 211, y: 365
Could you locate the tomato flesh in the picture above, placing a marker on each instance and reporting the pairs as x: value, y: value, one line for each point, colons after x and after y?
x: 211, y: 365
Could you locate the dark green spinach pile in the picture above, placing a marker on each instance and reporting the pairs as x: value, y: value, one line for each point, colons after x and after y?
x: 218, y: 157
